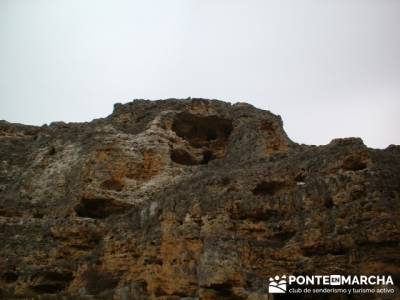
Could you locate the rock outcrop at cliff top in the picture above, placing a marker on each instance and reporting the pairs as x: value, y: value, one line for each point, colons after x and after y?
x: 188, y: 199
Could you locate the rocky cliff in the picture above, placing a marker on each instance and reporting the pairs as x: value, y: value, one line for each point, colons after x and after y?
x: 188, y: 199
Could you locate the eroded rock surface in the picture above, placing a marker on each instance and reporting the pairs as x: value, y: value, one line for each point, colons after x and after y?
x: 188, y: 199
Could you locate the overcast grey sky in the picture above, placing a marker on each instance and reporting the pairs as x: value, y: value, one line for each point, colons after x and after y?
x: 329, y: 68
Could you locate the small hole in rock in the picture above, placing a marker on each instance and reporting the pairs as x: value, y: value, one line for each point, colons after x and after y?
x: 300, y: 177
x: 183, y: 157
x: 52, y: 282
x: 329, y: 202
x: 268, y: 188
x: 224, y: 291
x: 52, y: 150
x: 38, y: 215
x: 208, y: 156
x: 9, y: 277
x: 98, y: 208
x: 48, y: 288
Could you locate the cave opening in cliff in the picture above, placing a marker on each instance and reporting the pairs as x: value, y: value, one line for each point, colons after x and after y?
x: 201, y: 130
x: 209, y: 133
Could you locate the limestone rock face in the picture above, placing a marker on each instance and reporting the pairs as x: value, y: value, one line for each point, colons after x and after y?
x: 188, y: 199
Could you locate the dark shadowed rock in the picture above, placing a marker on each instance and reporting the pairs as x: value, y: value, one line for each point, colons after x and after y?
x: 188, y: 199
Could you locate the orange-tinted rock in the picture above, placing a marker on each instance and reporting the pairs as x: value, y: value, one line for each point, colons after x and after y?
x: 188, y: 199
